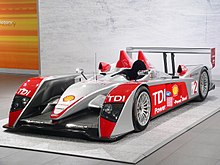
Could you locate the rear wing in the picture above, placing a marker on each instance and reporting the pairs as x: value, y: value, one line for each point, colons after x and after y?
x: 174, y: 51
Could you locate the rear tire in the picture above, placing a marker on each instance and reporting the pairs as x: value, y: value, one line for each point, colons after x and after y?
x: 203, y: 85
x: 141, y: 109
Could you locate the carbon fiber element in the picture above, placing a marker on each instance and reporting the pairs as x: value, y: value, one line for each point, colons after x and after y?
x: 85, y: 122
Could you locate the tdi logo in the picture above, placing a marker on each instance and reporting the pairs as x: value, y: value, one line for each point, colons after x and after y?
x: 23, y: 91
x: 116, y: 98
x: 159, y: 96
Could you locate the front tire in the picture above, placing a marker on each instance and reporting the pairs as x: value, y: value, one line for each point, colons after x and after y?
x: 141, y: 109
x: 203, y: 85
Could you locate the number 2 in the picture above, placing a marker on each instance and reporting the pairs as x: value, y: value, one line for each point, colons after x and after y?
x: 194, y: 87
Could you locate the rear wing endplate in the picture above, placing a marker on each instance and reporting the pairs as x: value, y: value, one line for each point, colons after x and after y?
x: 174, y: 51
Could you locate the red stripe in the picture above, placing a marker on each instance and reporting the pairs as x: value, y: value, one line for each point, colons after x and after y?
x: 106, y: 127
x: 13, y: 117
x: 29, y: 87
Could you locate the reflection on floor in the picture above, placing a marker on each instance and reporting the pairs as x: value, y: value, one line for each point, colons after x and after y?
x: 200, y: 145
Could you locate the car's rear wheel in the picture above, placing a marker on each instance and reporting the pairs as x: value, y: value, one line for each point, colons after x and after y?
x: 203, y: 85
x: 141, y: 109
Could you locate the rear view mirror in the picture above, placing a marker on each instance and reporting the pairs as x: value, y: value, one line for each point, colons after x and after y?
x: 104, y: 67
x: 80, y: 71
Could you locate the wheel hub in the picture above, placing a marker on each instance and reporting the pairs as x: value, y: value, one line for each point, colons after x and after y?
x: 143, y: 108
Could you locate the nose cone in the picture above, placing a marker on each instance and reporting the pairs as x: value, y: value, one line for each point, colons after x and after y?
x: 77, y: 97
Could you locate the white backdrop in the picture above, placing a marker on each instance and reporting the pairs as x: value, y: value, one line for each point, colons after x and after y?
x: 72, y: 31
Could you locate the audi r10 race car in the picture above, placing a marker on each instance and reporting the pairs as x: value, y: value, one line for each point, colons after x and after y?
x: 121, y: 99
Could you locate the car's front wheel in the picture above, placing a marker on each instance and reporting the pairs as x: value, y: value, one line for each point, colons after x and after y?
x: 141, y: 109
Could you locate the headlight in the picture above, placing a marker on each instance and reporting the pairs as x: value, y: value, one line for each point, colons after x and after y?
x: 107, y: 108
x: 111, y: 111
x: 19, y: 102
x: 25, y: 100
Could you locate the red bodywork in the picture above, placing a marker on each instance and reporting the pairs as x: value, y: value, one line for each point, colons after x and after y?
x: 27, y: 89
x: 163, y: 97
x: 213, y: 57
x: 104, y: 67
x: 145, y: 60
x: 182, y: 69
x: 119, y: 94
x: 166, y: 96
x: 124, y: 60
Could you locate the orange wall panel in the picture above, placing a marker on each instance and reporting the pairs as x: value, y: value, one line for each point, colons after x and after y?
x: 19, y: 34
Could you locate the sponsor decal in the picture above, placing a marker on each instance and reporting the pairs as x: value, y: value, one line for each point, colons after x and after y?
x: 169, y: 101
x: 180, y: 100
x: 23, y: 92
x: 59, y: 111
x: 160, y: 109
x: 177, y: 101
x: 121, y: 93
x: 166, y: 96
x: 175, y: 90
x: 168, y: 93
x: 194, y: 87
x: 29, y: 87
x: 159, y: 96
x: 68, y: 98
x: 116, y: 98
x: 184, y: 98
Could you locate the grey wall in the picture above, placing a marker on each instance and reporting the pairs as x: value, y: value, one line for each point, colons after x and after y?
x: 72, y: 31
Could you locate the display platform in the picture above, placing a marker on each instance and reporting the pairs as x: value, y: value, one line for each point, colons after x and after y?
x: 131, y: 148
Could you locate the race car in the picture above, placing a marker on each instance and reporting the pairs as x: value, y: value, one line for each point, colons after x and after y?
x: 123, y: 98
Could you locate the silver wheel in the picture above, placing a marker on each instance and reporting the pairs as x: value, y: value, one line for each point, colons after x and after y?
x: 204, y: 84
x: 143, y: 108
